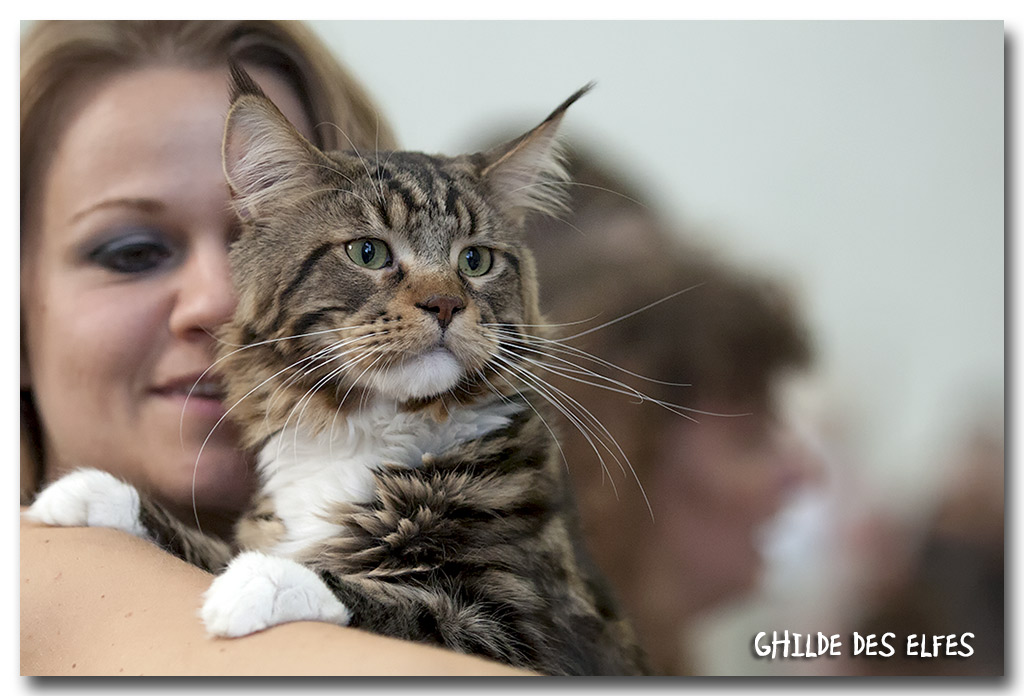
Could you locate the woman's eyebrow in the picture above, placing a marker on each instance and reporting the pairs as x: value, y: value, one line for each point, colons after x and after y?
x: 147, y: 205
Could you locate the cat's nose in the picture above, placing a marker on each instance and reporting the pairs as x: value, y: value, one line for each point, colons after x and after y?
x: 443, y: 307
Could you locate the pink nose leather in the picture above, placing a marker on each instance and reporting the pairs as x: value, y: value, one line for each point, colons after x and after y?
x: 443, y: 307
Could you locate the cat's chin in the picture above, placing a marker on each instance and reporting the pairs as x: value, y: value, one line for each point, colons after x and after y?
x: 420, y: 377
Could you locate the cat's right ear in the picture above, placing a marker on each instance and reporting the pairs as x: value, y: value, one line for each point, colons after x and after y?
x: 266, y: 160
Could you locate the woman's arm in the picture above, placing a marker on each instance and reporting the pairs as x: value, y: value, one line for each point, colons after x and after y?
x: 101, y: 602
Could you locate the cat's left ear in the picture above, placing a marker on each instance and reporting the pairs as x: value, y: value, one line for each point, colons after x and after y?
x: 525, y: 174
x: 265, y: 158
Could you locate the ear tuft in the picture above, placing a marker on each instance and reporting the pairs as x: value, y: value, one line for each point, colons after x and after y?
x: 241, y: 83
x: 526, y: 174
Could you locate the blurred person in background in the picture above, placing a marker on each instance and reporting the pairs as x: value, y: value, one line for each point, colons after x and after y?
x: 678, y: 534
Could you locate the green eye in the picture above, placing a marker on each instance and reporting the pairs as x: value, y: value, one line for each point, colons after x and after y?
x: 475, y: 261
x: 369, y: 253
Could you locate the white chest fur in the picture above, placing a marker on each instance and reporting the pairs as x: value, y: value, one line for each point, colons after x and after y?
x: 307, y: 475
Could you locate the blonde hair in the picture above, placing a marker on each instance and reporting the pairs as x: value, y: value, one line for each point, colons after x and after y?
x: 62, y: 59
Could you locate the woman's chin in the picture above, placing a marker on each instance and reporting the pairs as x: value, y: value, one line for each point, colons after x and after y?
x: 218, y: 485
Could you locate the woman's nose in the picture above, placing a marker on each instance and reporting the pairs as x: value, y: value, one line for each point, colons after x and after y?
x: 206, y: 297
x: 803, y: 460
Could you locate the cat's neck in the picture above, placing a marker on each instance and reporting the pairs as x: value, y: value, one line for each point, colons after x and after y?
x: 306, y: 474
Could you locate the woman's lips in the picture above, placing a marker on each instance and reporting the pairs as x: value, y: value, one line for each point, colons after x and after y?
x: 203, y: 396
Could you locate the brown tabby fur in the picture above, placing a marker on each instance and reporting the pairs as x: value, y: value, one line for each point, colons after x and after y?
x: 474, y: 547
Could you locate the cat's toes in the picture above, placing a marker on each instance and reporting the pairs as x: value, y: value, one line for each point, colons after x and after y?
x: 88, y: 498
x: 257, y: 591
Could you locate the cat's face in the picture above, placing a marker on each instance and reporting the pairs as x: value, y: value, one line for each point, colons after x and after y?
x: 398, y: 263
x: 386, y: 272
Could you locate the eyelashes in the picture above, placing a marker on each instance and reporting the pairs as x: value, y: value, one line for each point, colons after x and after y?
x: 134, y: 252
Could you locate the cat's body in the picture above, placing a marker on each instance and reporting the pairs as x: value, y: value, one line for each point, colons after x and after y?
x: 469, y: 547
x: 404, y: 457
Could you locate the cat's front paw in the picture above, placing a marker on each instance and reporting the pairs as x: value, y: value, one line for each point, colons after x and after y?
x: 89, y: 498
x: 258, y: 591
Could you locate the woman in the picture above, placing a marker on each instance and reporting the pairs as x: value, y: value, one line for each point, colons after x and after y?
x: 125, y: 227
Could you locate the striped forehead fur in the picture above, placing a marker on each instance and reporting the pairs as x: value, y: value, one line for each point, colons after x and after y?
x: 265, y: 158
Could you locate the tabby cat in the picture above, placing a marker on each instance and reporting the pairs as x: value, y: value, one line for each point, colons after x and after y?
x: 410, y: 483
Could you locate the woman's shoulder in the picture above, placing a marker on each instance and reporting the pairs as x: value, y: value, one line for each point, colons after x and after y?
x: 101, y: 602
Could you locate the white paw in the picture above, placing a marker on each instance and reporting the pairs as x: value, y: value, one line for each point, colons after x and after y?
x: 257, y: 591
x: 89, y: 498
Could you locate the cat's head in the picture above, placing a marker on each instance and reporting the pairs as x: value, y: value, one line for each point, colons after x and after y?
x: 389, y: 272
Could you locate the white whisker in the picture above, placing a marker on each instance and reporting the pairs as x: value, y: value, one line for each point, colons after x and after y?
x: 633, y: 313
x: 539, y: 326
x: 307, y: 398
x: 240, y: 348
x: 545, y: 389
x: 558, y: 444
x: 619, y: 387
x: 333, y: 358
x: 199, y: 455
x: 361, y: 159
x: 561, y: 183
x: 551, y: 345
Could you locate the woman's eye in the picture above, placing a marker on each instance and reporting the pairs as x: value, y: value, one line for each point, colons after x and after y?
x: 369, y: 253
x: 132, y: 254
x: 475, y: 261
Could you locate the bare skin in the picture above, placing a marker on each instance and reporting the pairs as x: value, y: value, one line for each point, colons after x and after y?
x: 101, y: 602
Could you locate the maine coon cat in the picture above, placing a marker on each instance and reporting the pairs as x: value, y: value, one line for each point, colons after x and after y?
x: 410, y: 482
